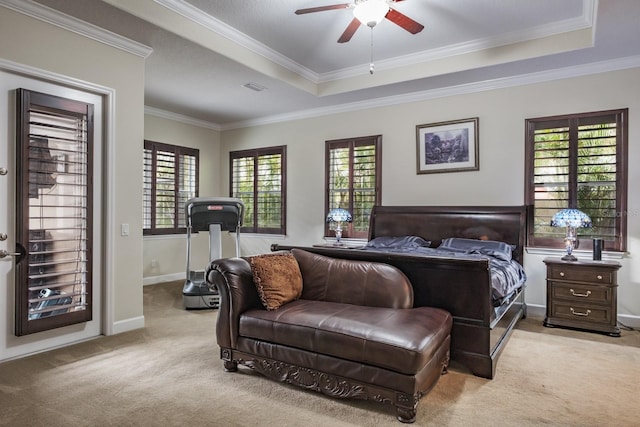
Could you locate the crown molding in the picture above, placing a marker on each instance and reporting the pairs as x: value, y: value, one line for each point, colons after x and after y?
x: 196, y: 15
x: 585, y: 21
x: 163, y: 114
x: 506, y: 82
x: 67, y: 22
x: 181, y: 7
x: 463, y: 89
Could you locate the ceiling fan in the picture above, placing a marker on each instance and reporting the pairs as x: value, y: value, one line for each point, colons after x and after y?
x: 370, y: 13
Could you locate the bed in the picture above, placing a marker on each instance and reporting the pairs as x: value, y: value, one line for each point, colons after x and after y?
x: 462, y: 282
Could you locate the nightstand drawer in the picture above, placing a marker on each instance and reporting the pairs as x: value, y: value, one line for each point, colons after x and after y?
x: 590, y: 275
x: 581, y: 313
x: 582, y: 293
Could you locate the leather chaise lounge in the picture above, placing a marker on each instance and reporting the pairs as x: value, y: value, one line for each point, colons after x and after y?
x: 345, y: 328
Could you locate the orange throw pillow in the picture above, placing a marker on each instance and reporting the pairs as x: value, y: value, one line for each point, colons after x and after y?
x: 277, y: 278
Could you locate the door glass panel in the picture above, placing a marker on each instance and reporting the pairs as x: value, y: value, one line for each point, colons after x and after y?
x: 54, y: 278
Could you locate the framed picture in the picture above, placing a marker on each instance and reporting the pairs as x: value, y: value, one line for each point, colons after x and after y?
x: 447, y: 146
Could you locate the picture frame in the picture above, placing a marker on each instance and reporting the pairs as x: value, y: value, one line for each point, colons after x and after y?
x: 451, y: 146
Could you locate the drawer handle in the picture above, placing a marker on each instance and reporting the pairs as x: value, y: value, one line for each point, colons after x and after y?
x: 599, y: 277
x: 562, y: 274
x: 579, y: 295
x: 577, y: 313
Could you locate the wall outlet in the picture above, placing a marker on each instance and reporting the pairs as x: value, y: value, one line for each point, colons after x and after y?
x: 154, y: 263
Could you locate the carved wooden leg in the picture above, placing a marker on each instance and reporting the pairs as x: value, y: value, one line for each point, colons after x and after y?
x: 230, y: 366
x: 406, y: 415
x: 406, y: 407
x: 445, y: 364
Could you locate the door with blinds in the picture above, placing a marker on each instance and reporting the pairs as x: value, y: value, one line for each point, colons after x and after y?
x: 54, y: 211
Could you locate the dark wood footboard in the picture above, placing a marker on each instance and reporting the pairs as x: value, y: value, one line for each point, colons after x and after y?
x: 478, y: 347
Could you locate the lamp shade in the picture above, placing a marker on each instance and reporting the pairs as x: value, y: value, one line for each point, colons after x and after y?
x: 571, y: 218
x: 339, y: 215
x: 371, y: 12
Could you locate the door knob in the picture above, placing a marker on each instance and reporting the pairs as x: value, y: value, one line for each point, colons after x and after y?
x: 3, y: 171
x: 3, y: 237
x: 5, y: 253
x: 20, y: 253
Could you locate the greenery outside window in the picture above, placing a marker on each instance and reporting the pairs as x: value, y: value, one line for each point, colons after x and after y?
x: 258, y: 178
x: 353, y: 181
x: 578, y: 161
x: 170, y: 179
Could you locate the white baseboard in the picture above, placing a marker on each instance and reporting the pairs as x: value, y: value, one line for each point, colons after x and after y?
x: 536, y: 310
x: 152, y: 280
x: 629, y: 320
x: 127, y: 325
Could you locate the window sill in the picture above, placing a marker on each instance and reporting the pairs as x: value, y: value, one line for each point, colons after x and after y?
x: 578, y: 253
x: 349, y: 241
x: 260, y: 236
x: 164, y: 236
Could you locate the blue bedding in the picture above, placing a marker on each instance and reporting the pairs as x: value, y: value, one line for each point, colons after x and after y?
x: 507, y: 275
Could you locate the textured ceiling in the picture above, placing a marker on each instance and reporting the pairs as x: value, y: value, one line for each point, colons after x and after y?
x: 310, y: 39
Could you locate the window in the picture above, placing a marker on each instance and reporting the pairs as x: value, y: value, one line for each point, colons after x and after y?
x: 353, y: 180
x: 258, y: 178
x: 170, y: 179
x: 578, y: 161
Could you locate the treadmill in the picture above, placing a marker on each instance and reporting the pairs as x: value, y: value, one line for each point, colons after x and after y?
x: 215, y: 215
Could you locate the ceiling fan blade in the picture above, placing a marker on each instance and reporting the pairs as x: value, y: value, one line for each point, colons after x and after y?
x: 404, y: 21
x: 350, y: 31
x: 322, y: 8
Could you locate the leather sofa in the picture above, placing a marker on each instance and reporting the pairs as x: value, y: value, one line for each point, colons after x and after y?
x: 352, y: 332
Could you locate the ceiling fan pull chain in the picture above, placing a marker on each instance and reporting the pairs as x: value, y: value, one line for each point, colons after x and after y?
x: 371, y: 67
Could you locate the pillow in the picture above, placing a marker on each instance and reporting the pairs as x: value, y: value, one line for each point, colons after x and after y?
x: 499, y: 250
x: 277, y: 278
x: 480, y: 232
x: 398, y: 242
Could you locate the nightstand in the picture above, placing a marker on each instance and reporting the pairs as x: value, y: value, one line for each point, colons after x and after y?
x: 583, y: 295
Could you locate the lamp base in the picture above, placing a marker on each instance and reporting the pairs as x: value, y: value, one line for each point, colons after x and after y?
x: 569, y: 257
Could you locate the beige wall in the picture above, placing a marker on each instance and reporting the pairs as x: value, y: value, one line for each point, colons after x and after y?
x: 500, y: 180
x: 33, y: 43
x: 164, y: 257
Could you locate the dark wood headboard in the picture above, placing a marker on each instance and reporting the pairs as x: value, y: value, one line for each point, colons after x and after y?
x: 435, y: 223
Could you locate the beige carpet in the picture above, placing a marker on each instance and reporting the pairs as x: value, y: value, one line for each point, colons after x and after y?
x: 169, y: 374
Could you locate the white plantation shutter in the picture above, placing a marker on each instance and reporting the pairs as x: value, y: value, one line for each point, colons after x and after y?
x: 166, y: 203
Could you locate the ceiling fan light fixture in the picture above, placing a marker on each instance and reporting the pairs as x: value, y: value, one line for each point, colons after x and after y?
x: 371, y: 12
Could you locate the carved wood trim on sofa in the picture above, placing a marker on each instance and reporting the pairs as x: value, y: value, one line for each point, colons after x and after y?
x: 330, y: 385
